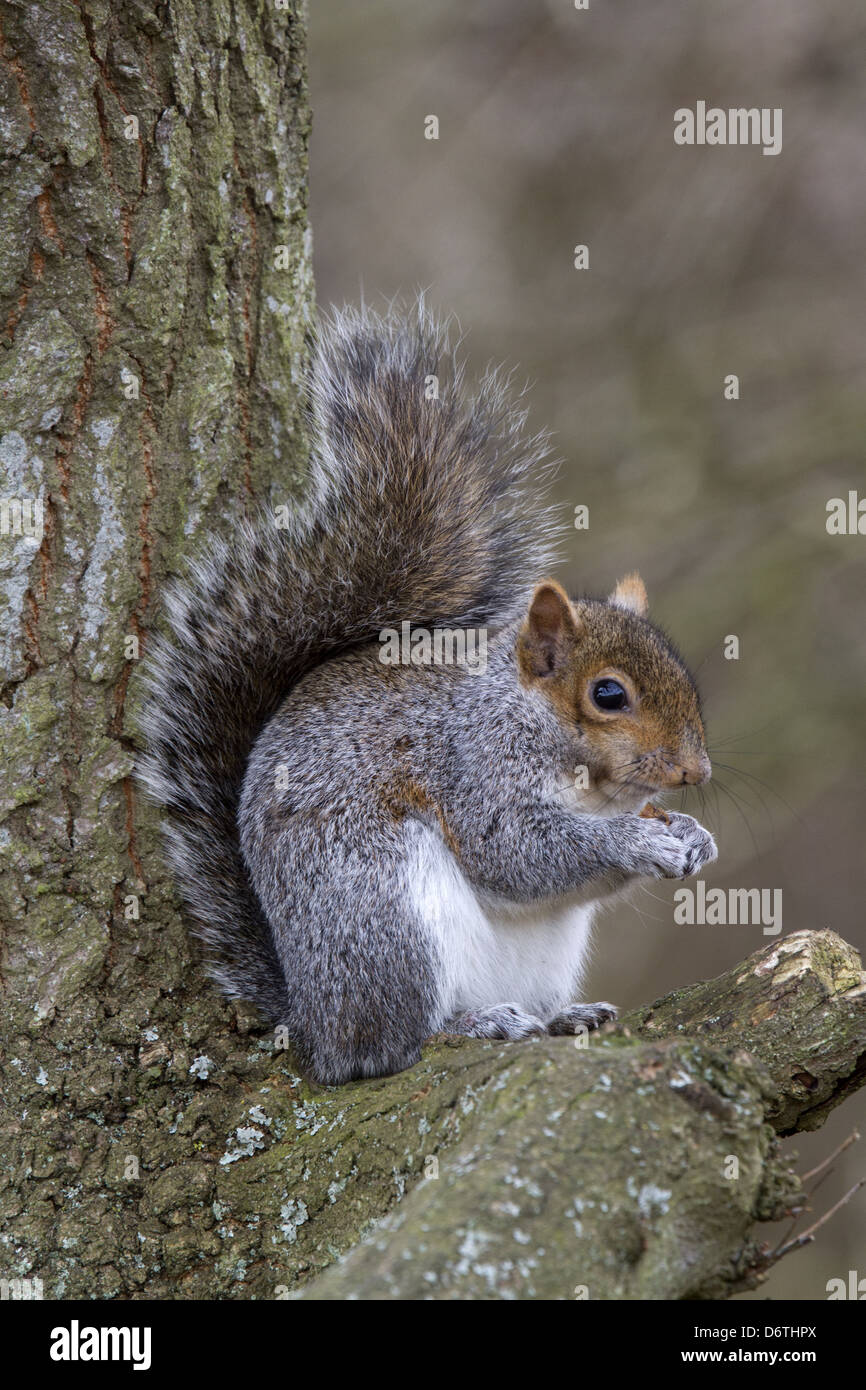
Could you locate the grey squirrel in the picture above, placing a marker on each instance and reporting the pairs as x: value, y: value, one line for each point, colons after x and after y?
x: 374, y: 853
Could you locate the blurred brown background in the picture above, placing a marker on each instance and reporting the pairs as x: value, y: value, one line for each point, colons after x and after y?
x: 556, y: 128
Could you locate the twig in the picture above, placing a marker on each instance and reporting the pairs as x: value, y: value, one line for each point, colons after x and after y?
x: 828, y: 1172
x: 809, y: 1235
x: 853, y: 1137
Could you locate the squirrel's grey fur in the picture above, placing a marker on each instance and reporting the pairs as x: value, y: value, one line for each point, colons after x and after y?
x: 330, y: 818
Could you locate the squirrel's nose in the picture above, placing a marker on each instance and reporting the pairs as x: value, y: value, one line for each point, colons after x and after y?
x: 696, y: 771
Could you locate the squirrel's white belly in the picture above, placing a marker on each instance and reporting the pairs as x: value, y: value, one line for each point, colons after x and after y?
x: 494, y: 952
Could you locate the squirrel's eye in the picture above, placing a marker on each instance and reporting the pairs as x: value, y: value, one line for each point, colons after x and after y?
x: 609, y: 695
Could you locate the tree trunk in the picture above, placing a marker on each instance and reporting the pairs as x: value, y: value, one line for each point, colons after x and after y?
x: 155, y: 283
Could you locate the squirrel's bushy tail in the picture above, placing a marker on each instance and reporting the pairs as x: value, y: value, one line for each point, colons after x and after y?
x: 423, y: 505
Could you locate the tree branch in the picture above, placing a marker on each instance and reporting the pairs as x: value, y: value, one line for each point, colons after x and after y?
x: 632, y: 1168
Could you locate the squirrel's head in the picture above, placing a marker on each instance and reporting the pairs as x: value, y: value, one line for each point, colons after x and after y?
x: 621, y: 686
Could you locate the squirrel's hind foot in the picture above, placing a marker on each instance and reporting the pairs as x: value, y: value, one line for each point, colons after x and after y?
x: 500, y: 1021
x: 580, y: 1018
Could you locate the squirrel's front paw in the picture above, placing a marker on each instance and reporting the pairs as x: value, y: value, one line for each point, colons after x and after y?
x: 679, y: 848
x: 501, y: 1021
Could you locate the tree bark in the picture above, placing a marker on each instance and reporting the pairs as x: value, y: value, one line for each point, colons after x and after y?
x: 634, y: 1168
x: 156, y: 288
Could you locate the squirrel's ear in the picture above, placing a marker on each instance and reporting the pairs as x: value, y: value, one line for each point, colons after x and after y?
x: 550, y: 628
x: 630, y: 593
